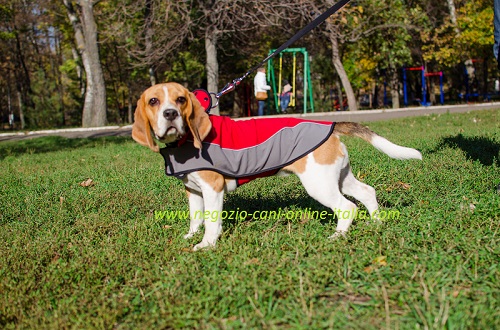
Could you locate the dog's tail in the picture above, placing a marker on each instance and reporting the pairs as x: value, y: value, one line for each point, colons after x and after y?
x: 380, y: 143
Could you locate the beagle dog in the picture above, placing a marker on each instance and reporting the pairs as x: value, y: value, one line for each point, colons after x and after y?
x: 169, y: 112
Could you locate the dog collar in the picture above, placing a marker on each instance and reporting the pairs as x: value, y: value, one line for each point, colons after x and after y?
x: 205, y: 99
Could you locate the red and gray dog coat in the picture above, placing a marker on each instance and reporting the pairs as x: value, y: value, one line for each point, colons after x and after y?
x: 247, y: 149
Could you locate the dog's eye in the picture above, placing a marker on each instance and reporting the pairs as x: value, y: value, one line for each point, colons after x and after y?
x: 154, y: 101
x: 181, y: 100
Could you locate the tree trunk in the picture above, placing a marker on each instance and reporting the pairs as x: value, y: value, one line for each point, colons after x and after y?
x: 79, y: 74
x: 23, y: 82
x: 148, y: 39
x: 130, y: 107
x: 339, y: 67
x: 212, y: 66
x: 432, y: 91
x: 21, y: 109
x: 340, y: 96
x: 451, y: 8
x: 9, y: 107
x: 237, y: 109
x: 55, y: 64
x: 394, y: 83
x: 84, y: 25
x: 152, y: 76
x: 453, y: 15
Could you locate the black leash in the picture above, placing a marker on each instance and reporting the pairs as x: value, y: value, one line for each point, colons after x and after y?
x: 232, y: 85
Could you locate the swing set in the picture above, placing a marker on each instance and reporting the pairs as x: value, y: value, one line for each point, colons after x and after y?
x: 307, y: 85
x: 424, y: 84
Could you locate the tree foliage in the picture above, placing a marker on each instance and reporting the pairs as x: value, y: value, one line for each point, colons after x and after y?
x: 359, y: 50
x: 472, y: 37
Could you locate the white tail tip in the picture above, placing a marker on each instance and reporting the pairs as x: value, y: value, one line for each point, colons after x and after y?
x: 393, y: 150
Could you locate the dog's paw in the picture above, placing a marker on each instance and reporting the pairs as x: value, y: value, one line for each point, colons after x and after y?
x: 338, y: 234
x: 203, y: 245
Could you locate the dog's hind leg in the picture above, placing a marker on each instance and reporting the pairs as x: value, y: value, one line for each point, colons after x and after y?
x: 321, y: 182
x: 364, y: 193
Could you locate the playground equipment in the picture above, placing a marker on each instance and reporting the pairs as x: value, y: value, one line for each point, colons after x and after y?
x: 441, y: 91
x: 475, y: 79
x: 424, y: 84
x: 307, y: 88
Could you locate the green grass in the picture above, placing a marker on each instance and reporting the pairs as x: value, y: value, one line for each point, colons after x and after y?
x: 96, y: 257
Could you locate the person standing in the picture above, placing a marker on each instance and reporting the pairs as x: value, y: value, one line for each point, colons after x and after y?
x: 261, y: 87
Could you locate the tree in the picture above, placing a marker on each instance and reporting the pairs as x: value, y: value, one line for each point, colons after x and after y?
x: 451, y: 8
x: 81, y: 16
x: 473, y: 20
x: 15, y: 24
x: 355, y: 23
x: 30, y: 57
x: 151, y: 31
x: 236, y: 19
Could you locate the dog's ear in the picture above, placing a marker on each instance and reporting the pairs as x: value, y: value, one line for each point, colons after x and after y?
x: 197, y: 120
x: 141, y: 129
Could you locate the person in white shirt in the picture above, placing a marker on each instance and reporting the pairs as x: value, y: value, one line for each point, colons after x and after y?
x: 260, y: 85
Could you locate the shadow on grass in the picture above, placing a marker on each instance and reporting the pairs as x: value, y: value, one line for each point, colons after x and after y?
x: 480, y: 148
x: 266, y: 201
x: 55, y: 143
x: 250, y: 205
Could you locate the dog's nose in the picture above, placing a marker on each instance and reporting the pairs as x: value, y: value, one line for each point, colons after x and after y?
x: 170, y: 114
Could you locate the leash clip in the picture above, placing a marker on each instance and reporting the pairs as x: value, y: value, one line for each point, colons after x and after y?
x: 205, y: 97
x: 228, y: 88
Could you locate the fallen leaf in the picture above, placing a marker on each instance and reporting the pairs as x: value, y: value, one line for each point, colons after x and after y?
x: 167, y: 226
x: 360, y: 176
x: 403, y: 185
x: 380, y: 261
x: 398, y: 185
x: 87, y: 183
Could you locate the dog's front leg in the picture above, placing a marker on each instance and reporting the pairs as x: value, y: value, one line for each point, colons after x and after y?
x: 196, y: 210
x: 213, y: 201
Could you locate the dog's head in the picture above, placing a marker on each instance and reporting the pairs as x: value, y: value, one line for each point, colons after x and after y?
x: 166, y: 112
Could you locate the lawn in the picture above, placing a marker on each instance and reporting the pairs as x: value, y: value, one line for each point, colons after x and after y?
x: 94, y: 255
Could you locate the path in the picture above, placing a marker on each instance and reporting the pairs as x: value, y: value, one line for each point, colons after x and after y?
x: 356, y: 116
